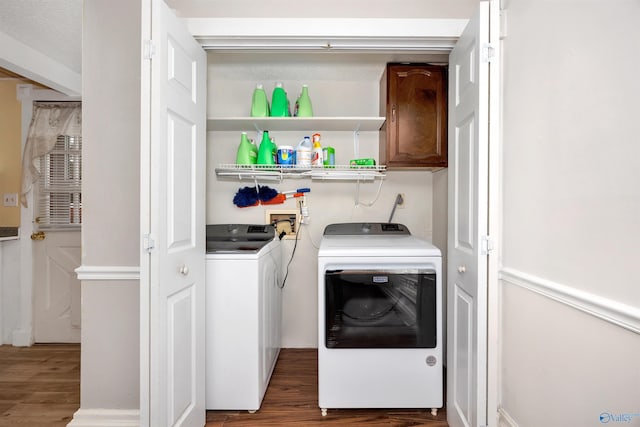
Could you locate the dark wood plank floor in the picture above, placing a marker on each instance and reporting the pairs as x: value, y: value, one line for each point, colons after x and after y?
x: 39, y: 385
x: 292, y: 400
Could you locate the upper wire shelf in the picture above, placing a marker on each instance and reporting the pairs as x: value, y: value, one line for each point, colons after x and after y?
x: 280, y: 172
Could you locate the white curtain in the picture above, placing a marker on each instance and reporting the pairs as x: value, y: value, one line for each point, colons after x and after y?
x: 50, y: 120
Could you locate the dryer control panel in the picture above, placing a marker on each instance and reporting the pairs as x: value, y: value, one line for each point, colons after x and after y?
x: 366, y: 228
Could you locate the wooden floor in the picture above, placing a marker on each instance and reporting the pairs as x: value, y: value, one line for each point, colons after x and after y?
x: 292, y: 400
x: 39, y: 385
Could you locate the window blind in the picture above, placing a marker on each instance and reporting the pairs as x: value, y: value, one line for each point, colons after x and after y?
x: 59, y: 202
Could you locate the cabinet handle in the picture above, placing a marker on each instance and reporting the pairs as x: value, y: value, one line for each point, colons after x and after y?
x: 393, y: 114
x: 462, y: 269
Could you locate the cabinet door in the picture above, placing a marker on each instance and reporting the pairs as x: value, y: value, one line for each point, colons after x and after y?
x: 416, y: 111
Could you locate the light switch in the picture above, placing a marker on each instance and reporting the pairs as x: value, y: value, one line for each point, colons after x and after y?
x: 10, y: 199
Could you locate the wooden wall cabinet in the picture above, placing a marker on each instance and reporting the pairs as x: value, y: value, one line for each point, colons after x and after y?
x: 413, y: 97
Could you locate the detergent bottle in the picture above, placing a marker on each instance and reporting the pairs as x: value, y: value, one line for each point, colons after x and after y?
x: 267, y: 150
x: 303, y: 104
x: 247, y: 151
x: 279, y: 103
x: 317, y: 155
x: 259, y: 102
x: 303, y: 153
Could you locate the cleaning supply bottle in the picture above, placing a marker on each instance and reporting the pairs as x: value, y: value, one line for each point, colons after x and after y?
x: 303, y: 153
x: 266, y: 151
x: 303, y: 104
x: 317, y: 155
x: 279, y: 103
x: 274, y: 150
x: 259, y: 102
x: 247, y: 151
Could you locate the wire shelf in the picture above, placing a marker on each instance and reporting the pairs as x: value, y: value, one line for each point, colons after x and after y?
x: 279, y: 172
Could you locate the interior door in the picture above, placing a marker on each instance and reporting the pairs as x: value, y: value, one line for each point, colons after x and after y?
x: 56, y: 300
x: 469, y: 71
x: 176, y: 241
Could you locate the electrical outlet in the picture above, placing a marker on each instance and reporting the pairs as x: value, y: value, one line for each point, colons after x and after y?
x: 285, y: 220
x: 401, y: 202
x: 10, y: 199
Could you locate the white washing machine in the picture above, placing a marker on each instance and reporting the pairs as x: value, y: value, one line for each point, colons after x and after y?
x: 243, y: 314
x: 380, y: 319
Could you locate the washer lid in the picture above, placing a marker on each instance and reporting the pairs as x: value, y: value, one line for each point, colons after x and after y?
x: 238, y: 238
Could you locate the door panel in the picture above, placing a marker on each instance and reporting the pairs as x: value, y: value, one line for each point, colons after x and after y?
x: 176, y: 218
x: 56, y: 287
x: 181, y: 381
x: 463, y: 314
x: 180, y: 154
x: 468, y: 210
x: 464, y: 152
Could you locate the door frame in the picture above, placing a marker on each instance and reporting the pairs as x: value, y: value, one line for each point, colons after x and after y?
x: 23, y: 335
x: 145, y: 216
x: 494, y: 216
x: 426, y: 33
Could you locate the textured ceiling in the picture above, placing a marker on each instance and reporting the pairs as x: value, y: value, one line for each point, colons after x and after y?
x: 53, y: 27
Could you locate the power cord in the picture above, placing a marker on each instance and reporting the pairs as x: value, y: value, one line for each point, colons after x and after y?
x: 295, y: 245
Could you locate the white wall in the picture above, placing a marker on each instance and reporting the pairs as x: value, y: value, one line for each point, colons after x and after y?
x: 111, y: 134
x: 571, y: 207
x: 110, y: 342
x: 111, y: 197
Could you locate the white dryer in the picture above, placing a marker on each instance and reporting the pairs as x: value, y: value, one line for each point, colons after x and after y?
x: 380, y: 318
x: 243, y: 314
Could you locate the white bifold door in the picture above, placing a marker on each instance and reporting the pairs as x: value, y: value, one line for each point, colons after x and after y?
x: 470, y: 106
x: 173, y: 227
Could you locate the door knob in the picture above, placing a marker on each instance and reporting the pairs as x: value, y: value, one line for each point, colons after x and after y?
x: 184, y: 270
x: 38, y: 235
x: 462, y: 269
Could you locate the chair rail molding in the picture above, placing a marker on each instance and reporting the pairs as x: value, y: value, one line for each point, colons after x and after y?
x: 612, y: 311
x: 108, y: 272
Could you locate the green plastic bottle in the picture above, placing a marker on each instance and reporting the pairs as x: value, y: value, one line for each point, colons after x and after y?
x: 267, y: 150
x: 303, y: 104
x: 259, y: 102
x: 279, y: 103
x: 247, y: 151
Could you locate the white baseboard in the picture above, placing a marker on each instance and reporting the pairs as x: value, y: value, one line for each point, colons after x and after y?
x: 505, y: 420
x: 22, y: 338
x: 105, y: 418
x: 614, y: 312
